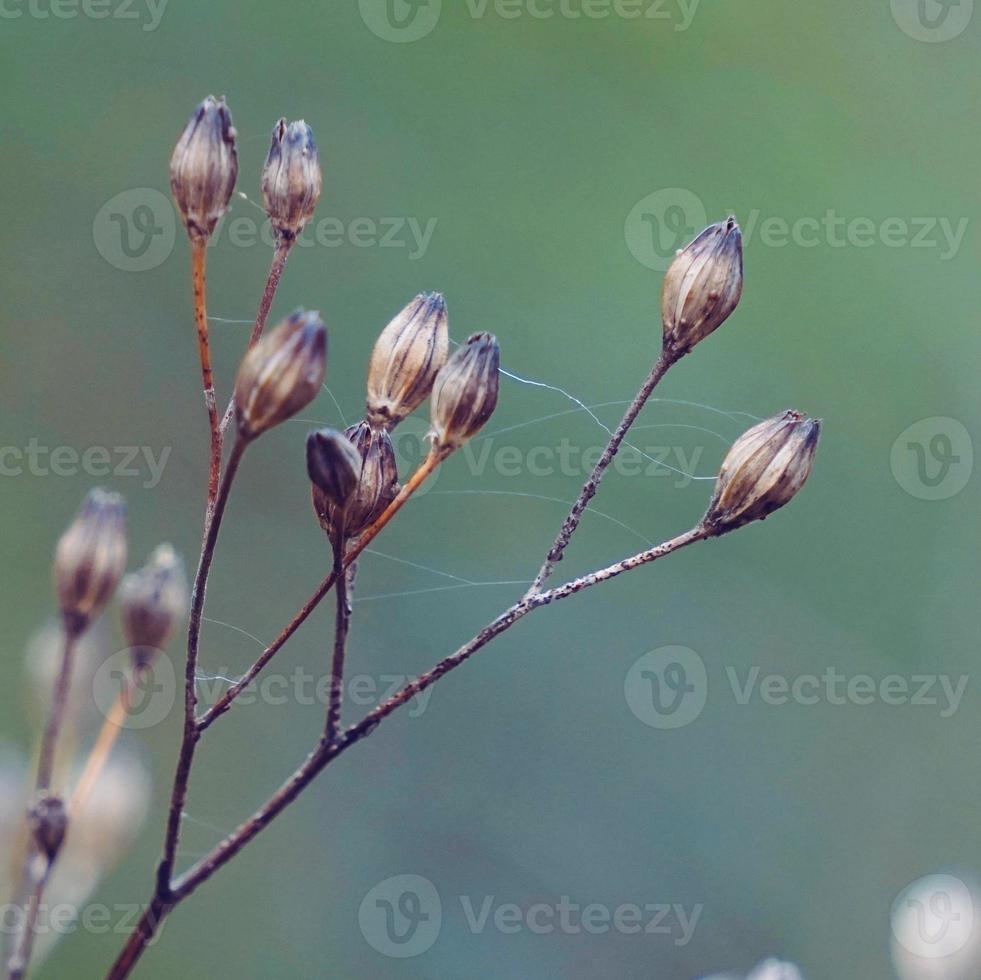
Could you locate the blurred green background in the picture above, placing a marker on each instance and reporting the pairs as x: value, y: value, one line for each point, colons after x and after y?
x: 531, y: 147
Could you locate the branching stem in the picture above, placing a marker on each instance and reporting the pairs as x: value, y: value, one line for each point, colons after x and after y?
x: 326, y: 751
x: 280, y: 255
x: 191, y: 732
x: 571, y: 523
x: 37, y: 868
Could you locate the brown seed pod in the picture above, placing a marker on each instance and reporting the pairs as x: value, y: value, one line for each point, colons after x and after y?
x: 334, y: 466
x: 465, y: 392
x: 91, y: 556
x: 203, y: 167
x: 291, y: 178
x: 702, y: 287
x: 376, y: 487
x: 406, y: 359
x: 153, y: 600
x: 764, y: 470
x: 282, y: 374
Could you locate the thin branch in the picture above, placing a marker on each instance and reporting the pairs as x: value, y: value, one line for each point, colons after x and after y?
x: 24, y: 941
x: 59, y: 704
x: 191, y: 733
x: 342, y: 622
x: 227, y: 699
x: 591, y: 485
x: 326, y: 751
x: 102, y: 748
x: 280, y: 255
x: 199, y: 258
x: 32, y: 881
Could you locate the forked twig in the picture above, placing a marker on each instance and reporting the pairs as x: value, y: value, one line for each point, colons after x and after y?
x: 326, y: 750
x: 571, y: 523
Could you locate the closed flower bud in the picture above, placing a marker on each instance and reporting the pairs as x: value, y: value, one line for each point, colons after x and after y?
x: 702, y: 287
x: 203, y: 167
x: 282, y: 374
x: 91, y: 557
x: 334, y: 467
x: 465, y: 392
x: 291, y: 178
x: 153, y: 600
x: 377, y: 486
x: 764, y: 470
x: 406, y: 359
x: 48, y: 822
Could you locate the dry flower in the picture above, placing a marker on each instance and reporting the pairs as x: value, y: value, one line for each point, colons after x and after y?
x: 153, y: 599
x: 702, y: 287
x: 377, y: 486
x: 282, y: 374
x: 407, y: 357
x: 291, y: 178
x: 764, y: 469
x: 334, y: 467
x: 203, y: 167
x: 465, y: 392
x: 48, y: 821
x: 90, y: 557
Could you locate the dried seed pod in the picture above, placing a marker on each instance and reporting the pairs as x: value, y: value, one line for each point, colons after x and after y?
x: 48, y: 822
x: 334, y: 467
x: 91, y: 557
x: 377, y: 486
x: 203, y: 167
x: 465, y: 392
x: 702, y: 287
x: 407, y: 357
x: 291, y: 178
x: 153, y: 600
x: 764, y: 469
x: 282, y: 374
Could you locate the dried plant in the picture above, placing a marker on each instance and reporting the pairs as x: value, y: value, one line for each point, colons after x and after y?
x: 356, y: 493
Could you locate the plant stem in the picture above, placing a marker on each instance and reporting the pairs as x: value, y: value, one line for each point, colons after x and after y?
x: 342, y: 622
x: 199, y: 258
x: 226, y: 700
x: 280, y: 255
x: 31, y: 888
x: 511, y: 616
x: 326, y: 751
x: 59, y: 704
x: 24, y: 942
x: 102, y: 748
x: 140, y: 938
x: 191, y: 733
x: 591, y: 485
